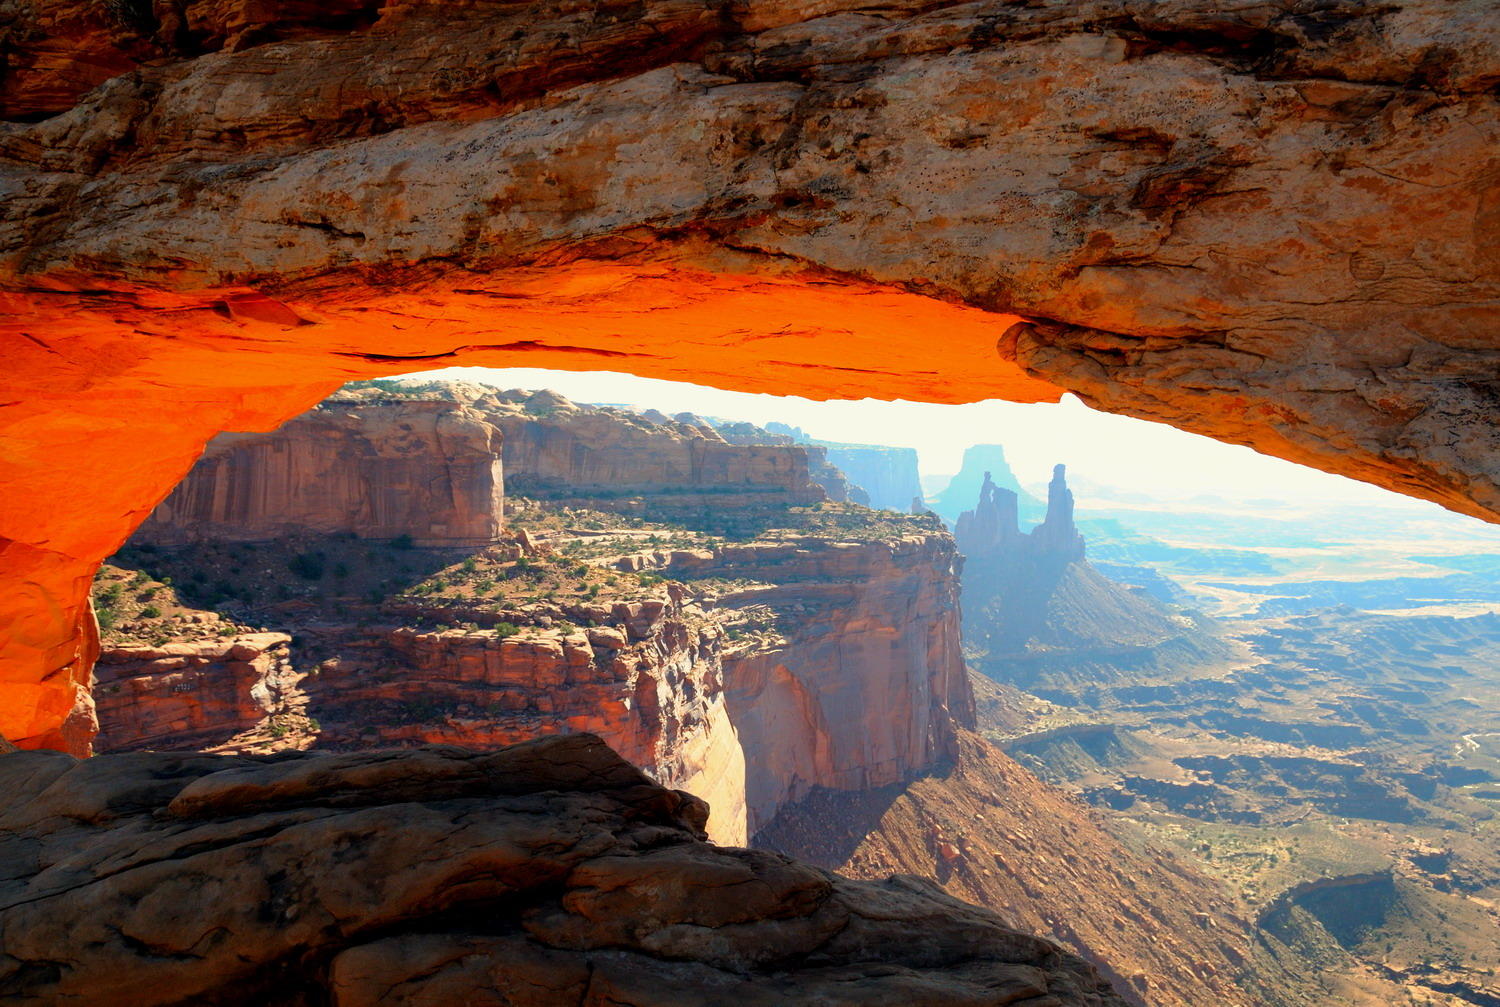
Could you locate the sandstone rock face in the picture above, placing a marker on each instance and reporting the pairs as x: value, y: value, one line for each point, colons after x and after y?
x: 862, y: 682
x: 428, y: 470
x: 544, y: 873
x: 580, y: 451
x: 648, y: 679
x: 1265, y: 222
x: 841, y: 668
x: 888, y: 475
x: 188, y: 695
x: 835, y: 481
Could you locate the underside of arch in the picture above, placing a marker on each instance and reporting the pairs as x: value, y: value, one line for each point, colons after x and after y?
x: 1268, y: 223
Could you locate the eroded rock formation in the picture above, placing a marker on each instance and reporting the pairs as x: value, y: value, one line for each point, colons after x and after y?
x: 794, y: 661
x: 428, y: 471
x: 857, y: 677
x: 1037, y: 615
x: 1266, y: 222
x: 183, y: 695
x: 549, y: 872
x: 993, y: 834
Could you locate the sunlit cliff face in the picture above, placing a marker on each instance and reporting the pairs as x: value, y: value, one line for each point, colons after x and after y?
x: 1288, y: 251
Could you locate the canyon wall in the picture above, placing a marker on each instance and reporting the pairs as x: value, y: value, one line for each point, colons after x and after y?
x: 775, y: 668
x: 186, y: 695
x: 556, y: 448
x: 647, y: 677
x: 847, y: 671
x: 795, y: 661
x: 888, y: 475
x: 426, y: 470
x: 835, y: 481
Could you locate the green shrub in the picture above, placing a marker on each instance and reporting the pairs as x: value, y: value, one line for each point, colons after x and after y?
x: 402, y: 541
x: 151, y: 612
x: 308, y: 565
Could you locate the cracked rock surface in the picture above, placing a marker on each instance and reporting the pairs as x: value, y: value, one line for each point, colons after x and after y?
x: 551, y: 872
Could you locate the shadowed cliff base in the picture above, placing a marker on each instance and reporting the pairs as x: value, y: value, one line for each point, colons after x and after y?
x: 1265, y: 224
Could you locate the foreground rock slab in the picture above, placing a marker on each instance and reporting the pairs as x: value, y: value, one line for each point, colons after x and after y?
x: 549, y: 872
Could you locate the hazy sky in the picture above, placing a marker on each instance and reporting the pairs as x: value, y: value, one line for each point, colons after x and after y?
x: 1117, y: 451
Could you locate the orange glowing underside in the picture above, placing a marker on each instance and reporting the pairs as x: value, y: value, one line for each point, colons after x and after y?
x: 111, y: 394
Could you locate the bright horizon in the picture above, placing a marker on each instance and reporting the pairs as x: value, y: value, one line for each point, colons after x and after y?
x: 1100, y: 449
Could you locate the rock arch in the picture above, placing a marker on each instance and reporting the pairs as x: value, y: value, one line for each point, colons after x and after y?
x: 1271, y: 223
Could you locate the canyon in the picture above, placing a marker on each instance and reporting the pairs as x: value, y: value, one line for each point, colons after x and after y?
x: 746, y: 671
x: 810, y: 662
x: 1322, y: 745
x: 1266, y: 222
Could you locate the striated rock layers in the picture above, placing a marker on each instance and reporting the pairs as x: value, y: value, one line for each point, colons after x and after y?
x: 185, y: 695
x: 647, y: 677
x: 828, y: 664
x: 888, y: 475
x: 426, y: 470
x: 857, y: 682
x: 851, y: 672
x: 550, y: 872
x: 558, y: 450
x: 835, y: 482
x: 1267, y: 222
x: 1038, y: 616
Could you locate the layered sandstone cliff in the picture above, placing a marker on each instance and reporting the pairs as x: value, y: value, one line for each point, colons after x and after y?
x: 828, y: 657
x: 646, y: 676
x: 773, y: 668
x: 186, y: 695
x: 846, y: 669
x: 584, y: 452
x: 545, y: 873
x: 428, y: 471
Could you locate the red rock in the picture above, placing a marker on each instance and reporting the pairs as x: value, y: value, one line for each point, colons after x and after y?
x: 428, y: 470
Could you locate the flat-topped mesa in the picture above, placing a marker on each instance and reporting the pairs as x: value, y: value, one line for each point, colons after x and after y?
x: 678, y: 468
x: 832, y: 478
x: 426, y: 470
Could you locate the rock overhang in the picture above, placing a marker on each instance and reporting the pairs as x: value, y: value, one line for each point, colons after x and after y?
x: 1266, y: 224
